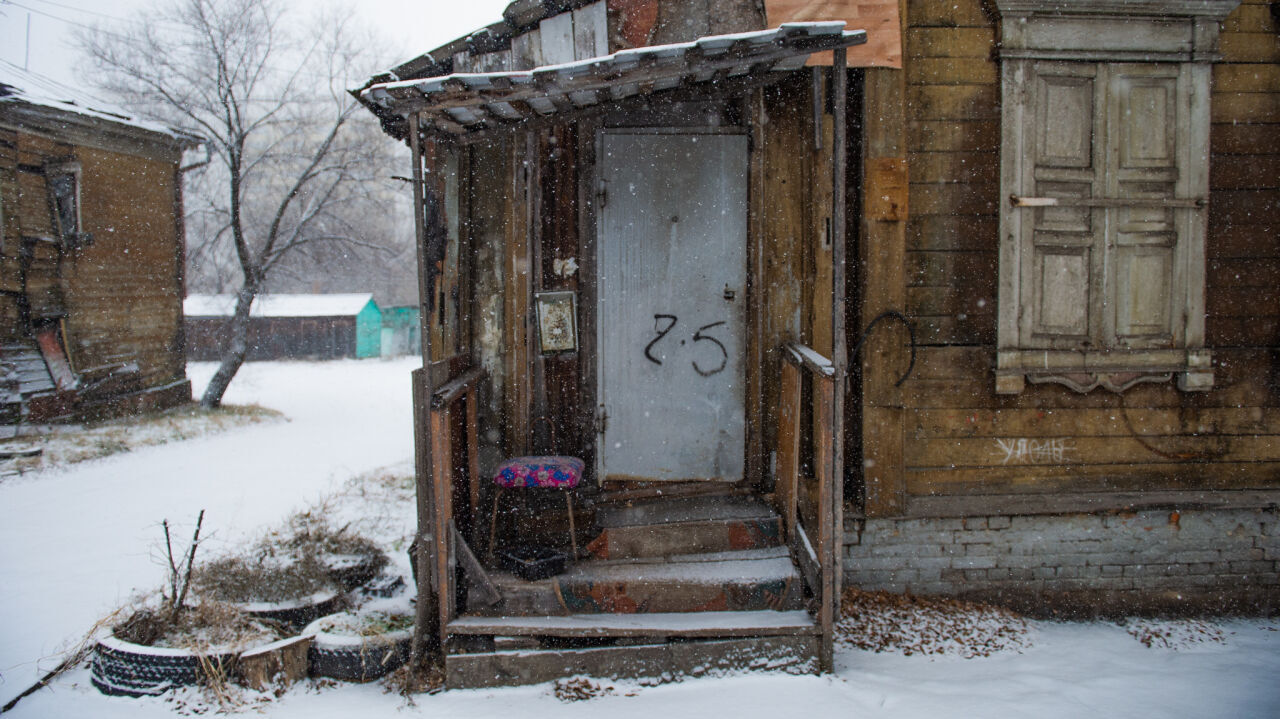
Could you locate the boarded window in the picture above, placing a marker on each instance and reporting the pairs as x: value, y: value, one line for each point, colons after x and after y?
x: 1104, y: 178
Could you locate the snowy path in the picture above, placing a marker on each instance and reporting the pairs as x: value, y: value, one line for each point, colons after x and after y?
x: 75, y: 543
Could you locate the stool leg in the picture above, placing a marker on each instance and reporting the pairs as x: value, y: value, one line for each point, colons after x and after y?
x: 493, y: 522
x: 573, y: 535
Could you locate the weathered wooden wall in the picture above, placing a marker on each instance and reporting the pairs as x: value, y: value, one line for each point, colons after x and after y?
x: 959, y: 438
x: 122, y: 293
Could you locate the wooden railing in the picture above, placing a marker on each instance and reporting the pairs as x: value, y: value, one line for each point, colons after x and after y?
x: 439, y: 544
x: 810, y: 507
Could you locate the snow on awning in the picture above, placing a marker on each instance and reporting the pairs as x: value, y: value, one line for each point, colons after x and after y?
x: 330, y: 305
x: 466, y: 103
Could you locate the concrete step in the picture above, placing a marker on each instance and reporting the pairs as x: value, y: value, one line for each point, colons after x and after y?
x: 666, y: 527
x: 748, y: 580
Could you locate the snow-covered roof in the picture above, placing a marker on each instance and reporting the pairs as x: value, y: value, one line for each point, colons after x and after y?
x: 25, y: 90
x: 334, y: 305
x: 468, y: 102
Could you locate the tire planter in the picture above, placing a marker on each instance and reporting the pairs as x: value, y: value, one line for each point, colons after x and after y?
x: 295, y: 613
x: 351, y: 571
x: 355, y: 658
x: 122, y: 668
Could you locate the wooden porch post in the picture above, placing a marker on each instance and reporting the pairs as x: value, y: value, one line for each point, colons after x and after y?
x: 425, y: 616
x: 839, y: 356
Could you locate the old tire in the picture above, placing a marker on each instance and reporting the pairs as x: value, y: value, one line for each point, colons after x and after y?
x: 122, y: 668
x: 297, y: 613
x: 354, y: 658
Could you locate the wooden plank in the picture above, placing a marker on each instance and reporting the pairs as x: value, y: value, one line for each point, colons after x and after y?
x: 505, y: 669
x: 1260, y: 172
x: 968, y: 198
x: 1089, y: 502
x: 957, y: 13
x: 820, y: 291
x: 1246, y: 107
x: 442, y: 492
x: 655, y: 624
x: 1250, y: 17
x: 883, y: 283
x: 516, y: 312
x: 276, y: 664
x: 806, y: 560
x: 557, y: 39
x: 1091, y: 422
x: 426, y: 625
x: 973, y: 42
x: 482, y: 592
x: 788, y: 469
x: 958, y: 136
x: 590, y: 31
x: 1093, y: 477
x: 886, y: 193
x: 947, y: 269
x: 968, y: 300
x: 937, y: 232
x: 883, y: 469
x: 526, y: 50
x: 473, y: 455
x: 965, y: 452
x: 952, y: 167
x: 1244, y: 241
x: 1250, y: 77
x: 954, y: 102
x: 1243, y: 331
x: 1250, y: 272
x: 448, y: 392
x: 880, y: 18
x: 1249, y: 47
x: 757, y: 213
x: 1231, y: 138
x: 1249, y: 302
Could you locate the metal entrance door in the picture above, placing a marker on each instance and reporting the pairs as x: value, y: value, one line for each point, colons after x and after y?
x: 671, y: 307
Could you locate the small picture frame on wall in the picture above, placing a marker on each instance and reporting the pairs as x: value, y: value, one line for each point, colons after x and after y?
x: 557, y: 321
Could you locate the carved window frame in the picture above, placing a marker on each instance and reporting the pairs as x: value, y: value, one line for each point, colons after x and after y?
x: 1106, y: 34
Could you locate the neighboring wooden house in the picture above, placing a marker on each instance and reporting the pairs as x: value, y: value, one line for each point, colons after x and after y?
x: 287, y: 326
x: 91, y: 262
x: 1035, y: 374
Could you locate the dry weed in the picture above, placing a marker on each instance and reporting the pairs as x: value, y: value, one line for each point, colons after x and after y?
x: 1174, y: 634
x: 909, y: 625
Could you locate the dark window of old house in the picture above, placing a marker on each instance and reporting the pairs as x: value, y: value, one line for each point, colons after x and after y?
x: 64, y: 196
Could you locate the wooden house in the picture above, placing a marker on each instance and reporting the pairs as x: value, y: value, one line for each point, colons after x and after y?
x: 969, y: 314
x: 284, y: 326
x: 91, y: 260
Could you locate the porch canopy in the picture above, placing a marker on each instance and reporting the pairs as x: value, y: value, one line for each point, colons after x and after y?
x: 465, y: 106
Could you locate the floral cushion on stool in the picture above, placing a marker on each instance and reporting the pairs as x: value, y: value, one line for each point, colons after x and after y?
x: 561, y: 472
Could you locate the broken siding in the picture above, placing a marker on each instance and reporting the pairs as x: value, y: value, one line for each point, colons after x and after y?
x: 963, y: 440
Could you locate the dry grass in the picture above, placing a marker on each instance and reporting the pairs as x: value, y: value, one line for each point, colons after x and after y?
x: 69, y: 444
x: 576, y: 689
x: 1174, y: 634
x: 204, y: 628
x: 910, y: 625
x: 261, y: 579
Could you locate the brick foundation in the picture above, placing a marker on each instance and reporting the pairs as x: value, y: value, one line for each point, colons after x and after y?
x: 1212, y: 560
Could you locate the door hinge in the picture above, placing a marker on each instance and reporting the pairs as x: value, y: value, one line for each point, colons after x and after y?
x: 602, y: 194
x: 602, y: 420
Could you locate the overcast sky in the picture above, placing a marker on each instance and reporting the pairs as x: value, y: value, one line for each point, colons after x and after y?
x: 410, y: 27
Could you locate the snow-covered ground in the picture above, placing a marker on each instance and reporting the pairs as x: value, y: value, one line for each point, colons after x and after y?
x: 76, y: 542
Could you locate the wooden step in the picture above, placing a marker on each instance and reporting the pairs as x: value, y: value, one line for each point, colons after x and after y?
x: 726, y: 581
x: 663, y: 527
x: 660, y: 661
x: 700, y: 625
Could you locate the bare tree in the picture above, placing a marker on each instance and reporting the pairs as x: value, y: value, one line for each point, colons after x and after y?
x: 292, y: 155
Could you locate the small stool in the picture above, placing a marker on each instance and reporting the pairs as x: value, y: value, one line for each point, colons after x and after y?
x: 549, y: 472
